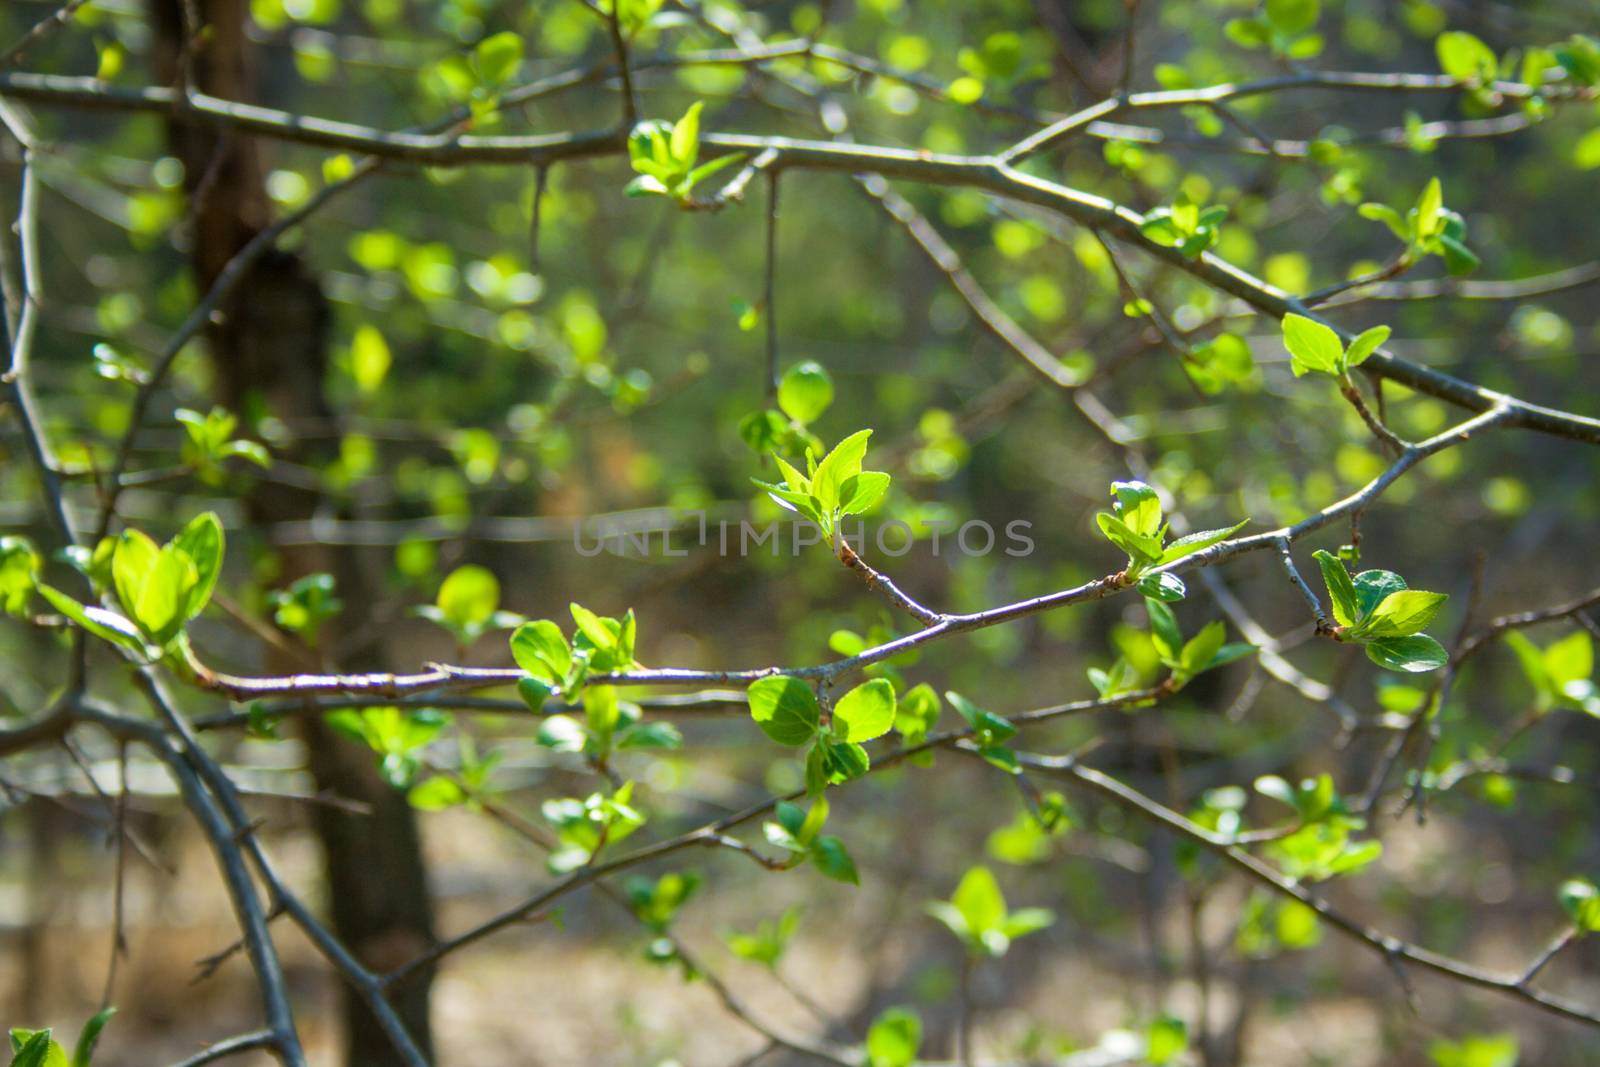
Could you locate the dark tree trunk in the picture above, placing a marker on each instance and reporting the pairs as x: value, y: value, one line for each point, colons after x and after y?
x: 270, y: 352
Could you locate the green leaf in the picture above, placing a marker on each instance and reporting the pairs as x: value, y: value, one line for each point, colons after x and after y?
x: 1581, y: 900
x: 1248, y: 33
x: 805, y: 391
x: 1341, y: 590
x: 1415, y: 654
x: 988, y: 726
x: 1164, y: 630
x: 1389, y: 217
x: 1430, y: 206
x: 1533, y: 665
x: 106, y: 625
x: 1189, y: 544
x: 1166, y: 587
x: 1138, y: 506
x: 1202, y: 648
x: 685, y: 141
x: 838, y: 467
x: 1312, y: 346
x: 1477, y: 1050
x: 1364, y: 345
x: 35, y: 1049
x: 468, y: 597
x: 1586, y: 153
x: 498, y: 57
x: 864, y: 491
x: 865, y: 712
x: 89, y: 1037
x: 131, y: 564
x: 1465, y: 58
x: 894, y: 1039
x: 1140, y: 550
x: 1372, y: 587
x: 1292, y: 17
x: 1026, y: 921
x: 159, y: 611
x: 710, y: 167
x: 436, y: 794
x: 1406, y: 612
x: 785, y: 708
x: 541, y: 649
x: 916, y: 712
x: 1569, y: 660
x: 1458, y: 258
x: 202, y: 540
x: 979, y: 900
x: 833, y: 860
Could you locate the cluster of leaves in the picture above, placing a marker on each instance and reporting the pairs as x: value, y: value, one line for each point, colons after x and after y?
x: 1223, y: 361
x: 665, y: 155
x: 160, y: 588
x: 397, y: 735
x: 1186, y: 225
x: 656, y: 903
x: 977, y: 914
x: 1561, y: 673
x: 990, y: 732
x: 467, y: 785
x: 37, y: 1048
x: 479, y: 80
x: 209, y: 442
x: 608, y: 725
x: 787, y: 710
x: 1185, y: 659
x: 1286, y: 27
x: 586, y: 826
x: 468, y: 605
x: 1319, y: 842
x: 1427, y: 228
x: 805, y: 392
x: 555, y: 666
x: 1314, y: 346
x: 832, y: 488
x: 1027, y: 838
x: 798, y: 832
x: 770, y: 939
x: 1376, y: 610
x: 306, y: 606
x: 1135, y: 524
x: 1324, y: 845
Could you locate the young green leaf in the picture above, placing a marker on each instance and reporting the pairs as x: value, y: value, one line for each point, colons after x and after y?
x: 89, y: 1037
x: 106, y: 625
x: 865, y: 712
x: 1189, y: 544
x: 1312, y: 346
x: 785, y: 708
x: 1341, y: 590
x: 1403, y: 613
x: 1465, y: 58
x: 1415, y: 654
x: 202, y: 540
x: 541, y: 649
x: 805, y: 391
x: 1368, y: 342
